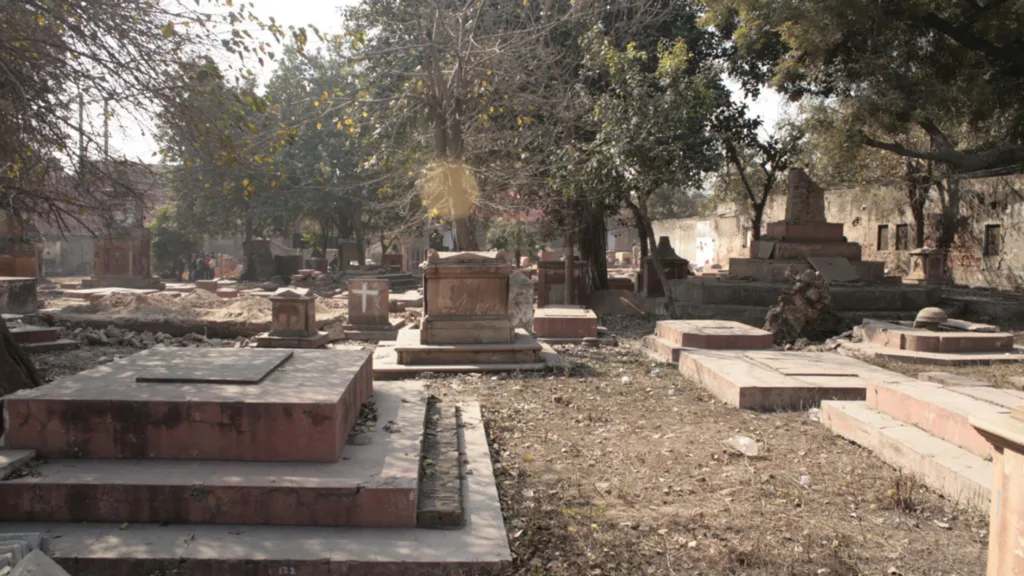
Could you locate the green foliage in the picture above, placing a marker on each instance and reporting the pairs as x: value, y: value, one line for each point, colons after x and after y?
x: 516, y: 237
x: 169, y: 241
x: 952, y: 69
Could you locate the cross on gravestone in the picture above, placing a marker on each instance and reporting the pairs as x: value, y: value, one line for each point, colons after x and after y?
x: 368, y: 301
x: 364, y: 292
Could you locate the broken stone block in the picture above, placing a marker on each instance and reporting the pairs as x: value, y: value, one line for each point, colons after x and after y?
x: 38, y: 564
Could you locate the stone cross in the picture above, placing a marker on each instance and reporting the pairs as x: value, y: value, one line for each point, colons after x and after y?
x: 368, y: 301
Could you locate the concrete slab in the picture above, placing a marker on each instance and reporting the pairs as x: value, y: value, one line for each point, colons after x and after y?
x: 209, y: 365
x: 386, y: 365
x: 411, y: 352
x: 90, y: 293
x: 903, y: 336
x: 867, y: 350
x: 834, y: 269
x: 374, y: 483
x: 28, y: 334
x: 746, y: 380
x: 478, y: 547
x: 713, y: 334
x: 563, y: 322
x: 961, y: 476
x: 947, y: 379
x: 54, y: 346
x: 1008, y: 399
x: 299, y: 412
x: 936, y: 409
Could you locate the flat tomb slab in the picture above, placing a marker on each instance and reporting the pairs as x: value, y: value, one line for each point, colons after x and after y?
x: 713, y: 334
x: 774, y: 380
x: 373, y: 484
x: 480, y: 546
x: 207, y: 365
x: 869, y: 350
x: 901, y: 336
x: 265, y: 340
x: 386, y: 361
x: 559, y: 322
x: 302, y: 411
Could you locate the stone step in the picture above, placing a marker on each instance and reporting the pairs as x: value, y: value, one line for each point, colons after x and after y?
x: 373, y: 484
x: 410, y: 352
x: 961, y: 476
x: 713, y: 334
x: 661, y: 349
x: 299, y: 411
x: 479, y: 546
x: 25, y: 334
x: 55, y: 346
x: 940, y: 411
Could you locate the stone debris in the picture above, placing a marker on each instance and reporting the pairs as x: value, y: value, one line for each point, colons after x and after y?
x: 114, y: 336
x: 38, y: 564
x: 803, y: 311
x: 26, y: 555
x: 744, y: 445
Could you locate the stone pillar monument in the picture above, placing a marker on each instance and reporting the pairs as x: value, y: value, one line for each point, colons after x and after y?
x: 465, y: 297
x: 368, y: 303
x: 293, y: 321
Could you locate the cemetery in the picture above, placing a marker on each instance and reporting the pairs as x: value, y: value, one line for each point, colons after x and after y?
x: 371, y: 288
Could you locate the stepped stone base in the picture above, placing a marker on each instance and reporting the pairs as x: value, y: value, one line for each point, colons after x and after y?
x: 870, y: 351
x: 960, y: 475
x: 479, y: 546
x: 374, y: 484
x: 816, y: 231
x: 774, y: 270
x: 462, y: 359
x: 903, y: 336
x: 265, y: 340
x: 301, y: 411
x: 367, y: 333
x: 671, y: 337
x: 775, y: 380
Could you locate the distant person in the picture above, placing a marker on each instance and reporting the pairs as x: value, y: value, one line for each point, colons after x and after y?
x: 192, y: 267
x: 179, y: 267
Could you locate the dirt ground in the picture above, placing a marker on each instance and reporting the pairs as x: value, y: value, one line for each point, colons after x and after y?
x: 620, y: 468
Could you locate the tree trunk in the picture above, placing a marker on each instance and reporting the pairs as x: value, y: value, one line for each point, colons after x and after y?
x: 638, y: 217
x: 249, y: 273
x: 570, y: 270
x: 17, y: 372
x: 658, y: 268
x: 464, y: 240
x: 755, y: 220
x: 949, y: 222
x: 593, y: 243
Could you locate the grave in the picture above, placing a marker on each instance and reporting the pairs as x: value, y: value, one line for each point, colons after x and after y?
x: 122, y: 261
x: 19, y: 257
x: 38, y: 339
x: 927, y: 266
x: 805, y: 233
x: 368, y: 306
x: 466, y: 325
x: 293, y: 321
x: 277, y: 472
x: 1005, y: 432
x: 567, y: 325
x: 671, y: 337
x: 951, y: 343
x: 676, y: 268
x: 551, y: 282
x: 18, y: 295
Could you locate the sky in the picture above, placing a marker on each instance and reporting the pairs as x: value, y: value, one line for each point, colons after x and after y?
x: 135, y: 142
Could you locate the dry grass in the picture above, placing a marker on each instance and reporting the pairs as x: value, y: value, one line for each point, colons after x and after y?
x: 613, y: 470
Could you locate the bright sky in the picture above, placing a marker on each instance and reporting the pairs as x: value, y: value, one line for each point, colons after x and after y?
x: 135, y: 142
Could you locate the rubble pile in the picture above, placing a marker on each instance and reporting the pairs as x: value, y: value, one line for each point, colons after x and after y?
x: 114, y: 336
x: 804, y: 311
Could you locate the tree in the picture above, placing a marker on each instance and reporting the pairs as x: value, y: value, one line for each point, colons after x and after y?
x: 946, y: 68
x: 517, y: 237
x: 169, y: 242
x: 755, y: 162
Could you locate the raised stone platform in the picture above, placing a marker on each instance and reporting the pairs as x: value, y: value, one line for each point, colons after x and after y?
x: 373, y: 484
x: 479, y: 357
x: 564, y: 323
x: 479, y: 546
x: 372, y: 333
x: 265, y: 340
x: 93, y: 294
x: 777, y: 380
x: 40, y: 339
x: 774, y: 270
x: 953, y: 343
x: 301, y: 411
x: 671, y: 337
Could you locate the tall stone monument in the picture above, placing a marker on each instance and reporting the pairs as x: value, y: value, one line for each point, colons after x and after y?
x: 805, y: 239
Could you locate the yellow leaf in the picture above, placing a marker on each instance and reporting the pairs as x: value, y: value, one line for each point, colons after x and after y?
x: 519, y: 121
x: 351, y: 129
x: 168, y: 30
x: 527, y: 458
x: 348, y: 121
x: 318, y: 126
x: 245, y: 182
x: 316, y: 103
x: 364, y: 114
x: 338, y: 125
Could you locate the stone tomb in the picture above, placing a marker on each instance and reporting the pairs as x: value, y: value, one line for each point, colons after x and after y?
x: 293, y: 321
x: 1006, y: 513
x: 122, y: 261
x: 805, y: 233
x: 953, y: 342
x: 466, y: 325
x: 927, y: 266
x: 565, y: 325
x: 368, y: 307
x: 551, y: 282
x: 263, y: 475
x: 672, y: 336
x: 676, y: 268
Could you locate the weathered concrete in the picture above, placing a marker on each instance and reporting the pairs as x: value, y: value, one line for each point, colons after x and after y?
x: 466, y: 298
x: 479, y: 547
x: 905, y: 337
x: 1006, y: 515
x: 564, y: 322
x: 867, y: 350
x: 373, y: 484
x: 18, y: 295
x: 300, y: 412
x: 961, y: 476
